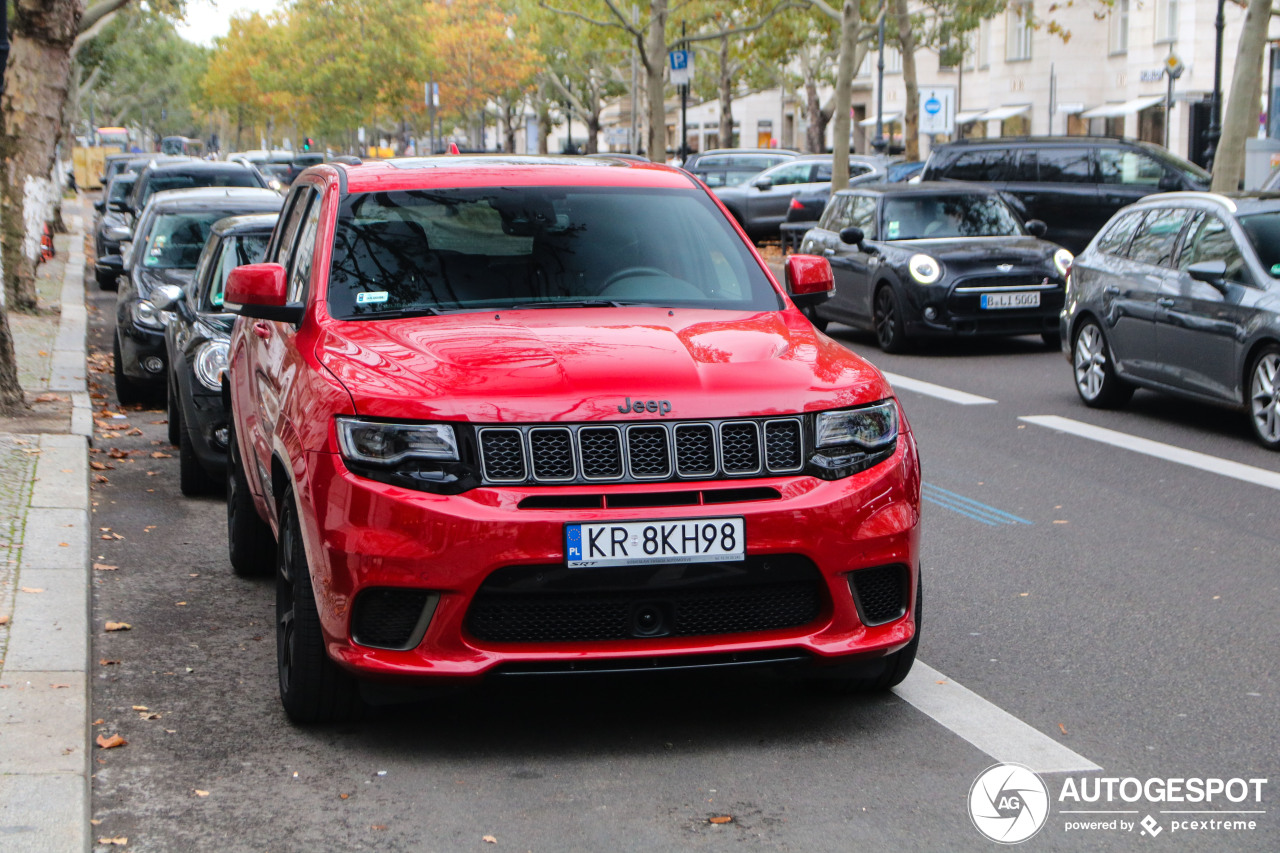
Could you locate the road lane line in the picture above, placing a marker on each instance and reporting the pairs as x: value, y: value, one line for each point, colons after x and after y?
x: 991, y: 729
x: 942, y: 392
x: 968, y: 506
x: 1168, y: 452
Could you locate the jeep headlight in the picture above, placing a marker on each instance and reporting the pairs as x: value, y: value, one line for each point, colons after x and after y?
x: 851, y: 440
x: 147, y: 315
x: 386, y: 444
x: 210, y: 363
x: 924, y: 269
x: 1062, y: 261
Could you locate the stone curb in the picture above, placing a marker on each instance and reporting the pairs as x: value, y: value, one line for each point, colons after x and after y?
x: 45, y: 701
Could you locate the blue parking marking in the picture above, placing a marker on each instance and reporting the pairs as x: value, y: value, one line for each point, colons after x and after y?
x: 968, y: 507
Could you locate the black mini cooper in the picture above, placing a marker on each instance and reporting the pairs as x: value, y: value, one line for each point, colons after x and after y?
x: 937, y: 259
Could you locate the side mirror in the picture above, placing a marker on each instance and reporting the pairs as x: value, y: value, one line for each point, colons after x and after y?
x: 260, y: 290
x: 117, y: 233
x: 167, y: 297
x: 762, y: 184
x: 853, y: 235
x: 1212, y: 273
x: 99, y: 205
x: 809, y: 280
x: 1036, y: 228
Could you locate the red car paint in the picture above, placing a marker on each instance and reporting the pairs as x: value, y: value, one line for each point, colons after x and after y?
x: 288, y: 381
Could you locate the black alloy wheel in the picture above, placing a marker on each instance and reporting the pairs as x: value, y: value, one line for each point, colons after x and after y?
x: 890, y: 334
x: 313, y: 689
x: 251, y: 546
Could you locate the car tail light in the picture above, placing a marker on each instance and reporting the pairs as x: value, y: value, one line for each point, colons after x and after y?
x: 795, y: 204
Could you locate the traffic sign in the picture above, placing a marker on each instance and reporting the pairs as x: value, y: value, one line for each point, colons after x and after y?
x: 681, y: 62
x: 937, y: 109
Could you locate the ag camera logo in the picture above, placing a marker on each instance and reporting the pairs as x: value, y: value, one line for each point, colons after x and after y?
x: 1008, y: 803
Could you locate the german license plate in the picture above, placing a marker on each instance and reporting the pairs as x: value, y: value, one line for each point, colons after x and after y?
x: 636, y: 543
x: 1023, y: 299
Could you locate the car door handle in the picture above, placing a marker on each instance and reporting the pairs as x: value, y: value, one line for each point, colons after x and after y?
x: 262, y: 330
x: 829, y: 252
x: 1166, y: 302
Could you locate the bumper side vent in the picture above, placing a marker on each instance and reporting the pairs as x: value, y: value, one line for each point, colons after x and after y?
x: 387, y: 618
x: 880, y: 593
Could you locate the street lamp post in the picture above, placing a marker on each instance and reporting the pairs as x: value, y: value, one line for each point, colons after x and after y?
x: 1214, y: 131
x: 880, y: 143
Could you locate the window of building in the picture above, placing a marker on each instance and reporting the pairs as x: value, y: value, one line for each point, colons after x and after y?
x: 1166, y: 21
x: 983, y: 50
x: 892, y: 60
x: 1019, y: 31
x: 1120, y: 27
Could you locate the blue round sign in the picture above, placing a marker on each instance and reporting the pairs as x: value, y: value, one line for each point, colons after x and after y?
x: 932, y: 106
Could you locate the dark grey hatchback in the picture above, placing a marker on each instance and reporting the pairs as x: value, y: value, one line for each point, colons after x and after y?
x: 1180, y: 293
x: 936, y: 260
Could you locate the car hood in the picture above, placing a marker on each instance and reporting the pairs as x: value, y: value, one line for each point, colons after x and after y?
x: 586, y: 364
x: 148, y: 279
x: 1020, y: 251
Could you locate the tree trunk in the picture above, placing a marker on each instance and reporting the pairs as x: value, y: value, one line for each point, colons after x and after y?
x: 655, y: 60
x: 815, y: 136
x: 911, y: 115
x: 36, y: 82
x: 1241, y: 119
x: 850, y: 23
x: 11, y: 399
x: 593, y: 127
x: 726, y: 96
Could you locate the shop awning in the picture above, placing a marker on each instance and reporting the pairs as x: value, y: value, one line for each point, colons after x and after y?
x: 889, y: 118
x: 968, y: 116
x: 1002, y: 113
x: 1137, y: 105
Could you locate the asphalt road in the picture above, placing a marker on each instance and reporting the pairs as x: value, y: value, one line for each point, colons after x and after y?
x: 1125, y: 606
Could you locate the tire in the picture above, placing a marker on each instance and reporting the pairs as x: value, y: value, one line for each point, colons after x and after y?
x: 890, y: 334
x: 1095, y: 378
x: 193, y: 480
x: 128, y: 392
x: 819, y: 323
x: 106, y: 282
x: 1052, y: 340
x: 880, y: 675
x: 251, y: 546
x: 1264, y: 397
x: 175, y: 416
x: 313, y: 689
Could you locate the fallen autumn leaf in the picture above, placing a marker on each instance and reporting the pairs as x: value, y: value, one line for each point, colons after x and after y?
x: 111, y: 742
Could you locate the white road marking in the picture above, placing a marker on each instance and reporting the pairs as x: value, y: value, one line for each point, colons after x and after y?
x: 942, y: 392
x: 1168, y: 452
x: 991, y: 729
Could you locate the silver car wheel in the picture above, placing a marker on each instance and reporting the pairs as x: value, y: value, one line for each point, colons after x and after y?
x: 1265, y: 399
x: 1090, y: 361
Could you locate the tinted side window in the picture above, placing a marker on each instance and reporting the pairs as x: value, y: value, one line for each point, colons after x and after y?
x: 1065, y: 165
x: 1119, y: 166
x: 294, y: 207
x: 990, y: 165
x: 864, y: 215
x: 1115, y: 240
x: 303, y: 253
x: 1209, y: 239
x: 835, y: 216
x: 1155, y: 241
x: 792, y: 173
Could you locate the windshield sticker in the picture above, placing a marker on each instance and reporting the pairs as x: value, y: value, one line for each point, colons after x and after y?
x: 369, y: 298
x: 1275, y: 270
x: 893, y: 229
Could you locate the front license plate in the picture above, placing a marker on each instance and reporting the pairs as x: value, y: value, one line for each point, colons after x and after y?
x: 1026, y: 299
x: 635, y: 543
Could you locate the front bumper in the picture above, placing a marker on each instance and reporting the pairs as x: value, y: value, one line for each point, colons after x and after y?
x: 450, y: 551
x: 137, y: 345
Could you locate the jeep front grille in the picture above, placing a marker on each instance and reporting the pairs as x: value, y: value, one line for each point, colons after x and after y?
x: 639, y: 453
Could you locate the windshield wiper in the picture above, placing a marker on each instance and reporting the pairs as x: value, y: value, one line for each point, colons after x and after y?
x: 583, y: 303
x: 422, y: 311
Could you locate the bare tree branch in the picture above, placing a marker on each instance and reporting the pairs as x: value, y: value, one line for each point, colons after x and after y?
x: 98, y: 11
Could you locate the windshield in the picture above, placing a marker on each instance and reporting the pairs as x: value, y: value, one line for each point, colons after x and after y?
x: 120, y: 186
x: 425, y: 251
x: 237, y: 250
x: 176, y: 239
x: 1263, y: 231
x: 933, y: 217
x: 228, y: 178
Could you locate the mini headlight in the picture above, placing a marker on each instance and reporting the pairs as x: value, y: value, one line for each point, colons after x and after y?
x: 1062, y: 260
x: 870, y: 427
x: 210, y: 362
x: 147, y: 314
x: 924, y: 269
x: 374, y: 443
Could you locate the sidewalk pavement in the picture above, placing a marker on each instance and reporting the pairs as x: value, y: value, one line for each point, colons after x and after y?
x: 45, y: 599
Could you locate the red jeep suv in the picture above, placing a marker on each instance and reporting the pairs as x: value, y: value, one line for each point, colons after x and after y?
x: 548, y: 415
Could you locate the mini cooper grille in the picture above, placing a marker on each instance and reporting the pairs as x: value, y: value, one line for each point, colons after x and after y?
x: 641, y: 452
x: 620, y: 616
x: 881, y: 593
